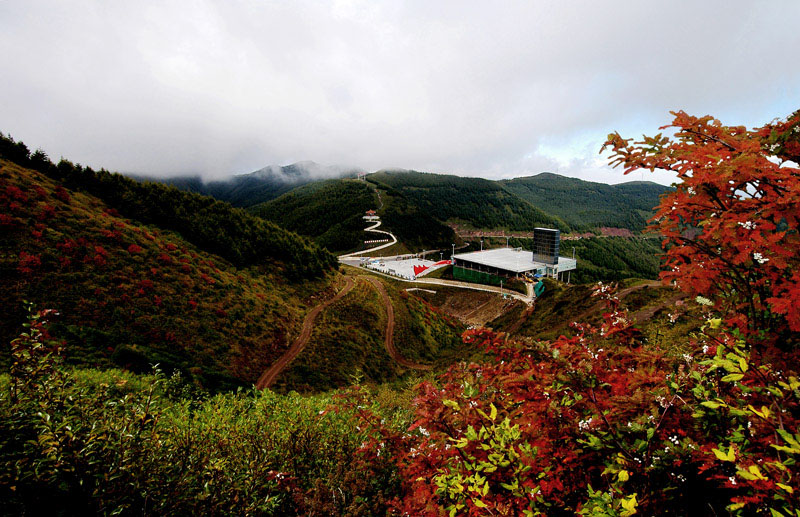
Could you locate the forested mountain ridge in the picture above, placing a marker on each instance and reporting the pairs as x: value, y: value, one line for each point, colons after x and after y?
x: 479, y: 202
x: 329, y: 211
x: 246, y: 190
x: 587, y: 204
x: 133, y: 295
x: 209, y: 224
x: 519, y: 204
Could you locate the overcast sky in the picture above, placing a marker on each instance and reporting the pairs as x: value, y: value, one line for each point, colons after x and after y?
x: 492, y: 89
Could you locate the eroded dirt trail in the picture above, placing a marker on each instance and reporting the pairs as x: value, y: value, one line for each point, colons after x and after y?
x: 389, y: 339
x: 268, y: 378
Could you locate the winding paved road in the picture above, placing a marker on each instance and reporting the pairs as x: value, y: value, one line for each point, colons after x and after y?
x: 376, y: 248
x: 527, y: 298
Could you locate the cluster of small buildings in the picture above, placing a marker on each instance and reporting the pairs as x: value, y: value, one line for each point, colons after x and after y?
x: 491, y: 266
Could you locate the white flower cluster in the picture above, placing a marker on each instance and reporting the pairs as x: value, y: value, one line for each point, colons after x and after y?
x: 748, y: 225
x: 583, y: 425
x: 761, y: 259
x: 702, y: 300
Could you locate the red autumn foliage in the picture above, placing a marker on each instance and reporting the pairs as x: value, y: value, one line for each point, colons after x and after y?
x: 604, y: 423
x: 740, y: 194
x: 134, y: 248
x: 40, y: 192
x: 111, y: 234
x: 48, y: 212
x: 7, y: 221
x: 16, y: 194
x: 28, y: 263
x: 61, y: 194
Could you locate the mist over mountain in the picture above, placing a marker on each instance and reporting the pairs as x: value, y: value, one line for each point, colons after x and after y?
x: 244, y: 190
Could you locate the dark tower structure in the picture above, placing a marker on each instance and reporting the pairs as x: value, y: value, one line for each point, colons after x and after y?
x: 545, y: 245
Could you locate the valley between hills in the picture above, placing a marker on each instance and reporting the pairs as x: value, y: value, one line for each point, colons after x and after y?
x: 178, y: 347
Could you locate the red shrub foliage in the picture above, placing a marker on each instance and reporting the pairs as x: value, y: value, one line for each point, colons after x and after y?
x: 7, y: 221
x: 28, y: 263
x: 47, y: 212
x: 134, y: 248
x: 741, y: 190
x: 605, y: 424
x: 16, y: 194
x: 61, y: 194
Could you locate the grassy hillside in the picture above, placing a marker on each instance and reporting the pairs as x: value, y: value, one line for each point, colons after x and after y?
x: 478, y: 202
x: 422, y: 334
x: 329, y: 211
x: 586, y: 204
x: 664, y: 317
x: 214, y: 226
x: 133, y: 295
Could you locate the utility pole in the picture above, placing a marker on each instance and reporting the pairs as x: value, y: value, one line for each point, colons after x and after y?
x: 440, y: 256
x: 453, y: 256
x: 506, y: 241
x: 481, y: 243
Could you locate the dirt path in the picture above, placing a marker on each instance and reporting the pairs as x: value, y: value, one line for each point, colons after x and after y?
x: 389, y: 339
x: 268, y: 377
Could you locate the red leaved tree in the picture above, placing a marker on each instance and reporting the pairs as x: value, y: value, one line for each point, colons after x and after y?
x: 731, y: 226
x: 603, y: 424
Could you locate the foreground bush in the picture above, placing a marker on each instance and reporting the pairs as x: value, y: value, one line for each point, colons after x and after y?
x: 90, y: 442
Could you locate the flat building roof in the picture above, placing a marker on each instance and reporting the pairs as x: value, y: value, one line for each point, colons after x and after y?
x: 515, y: 260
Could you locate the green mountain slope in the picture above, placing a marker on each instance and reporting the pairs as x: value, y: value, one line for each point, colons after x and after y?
x: 478, y: 202
x: 586, y: 204
x: 329, y: 211
x: 246, y: 190
x: 134, y: 295
x: 211, y: 225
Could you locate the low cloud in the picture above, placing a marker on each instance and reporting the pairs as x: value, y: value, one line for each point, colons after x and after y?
x: 222, y: 88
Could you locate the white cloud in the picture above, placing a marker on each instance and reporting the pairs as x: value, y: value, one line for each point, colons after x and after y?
x: 512, y: 89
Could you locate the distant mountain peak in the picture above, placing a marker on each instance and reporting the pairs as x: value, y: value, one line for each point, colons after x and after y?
x: 302, y: 171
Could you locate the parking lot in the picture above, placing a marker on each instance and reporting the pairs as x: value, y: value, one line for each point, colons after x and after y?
x: 403, y: 268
